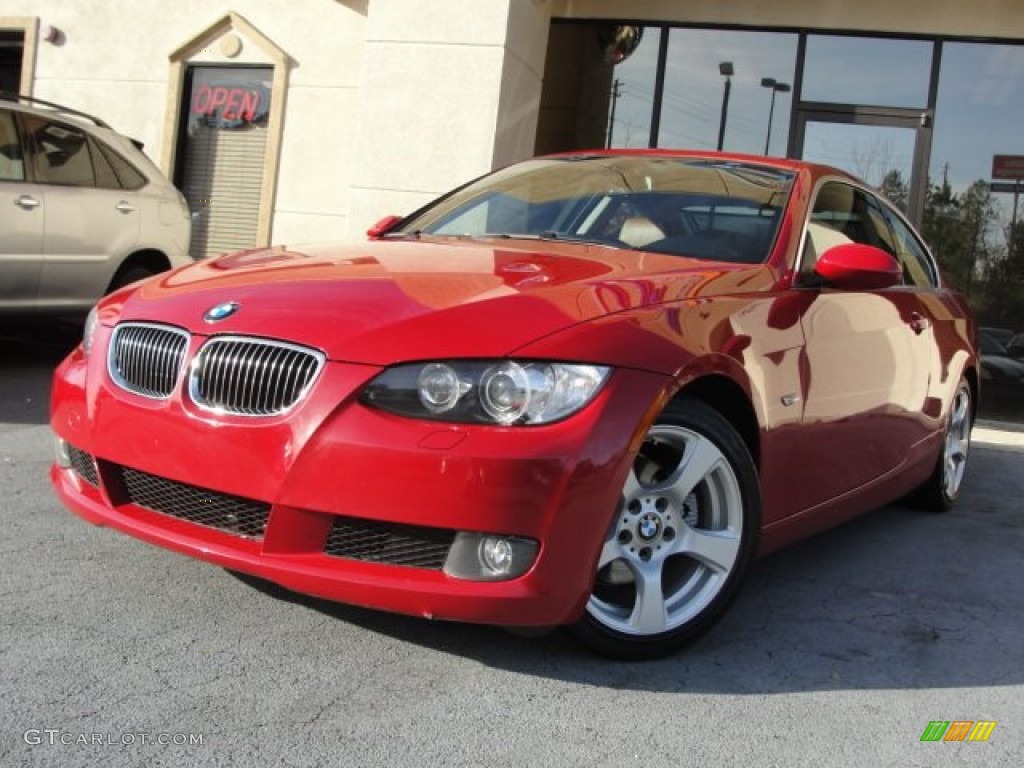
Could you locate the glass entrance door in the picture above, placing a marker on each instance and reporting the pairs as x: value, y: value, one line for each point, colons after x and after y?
x: 886, y: 149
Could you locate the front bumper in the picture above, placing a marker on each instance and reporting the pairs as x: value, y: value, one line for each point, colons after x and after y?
x: 332, y: 463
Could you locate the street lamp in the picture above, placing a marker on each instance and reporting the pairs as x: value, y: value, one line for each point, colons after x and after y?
x: 777, y: 87
x: 725, y: 70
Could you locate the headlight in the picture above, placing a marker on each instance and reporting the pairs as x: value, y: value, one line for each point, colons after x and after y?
x: 89, y: 330
x: 489, y: 392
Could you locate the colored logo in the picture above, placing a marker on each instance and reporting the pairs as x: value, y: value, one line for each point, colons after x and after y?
x: 958, y: 730
x: 221, y: 311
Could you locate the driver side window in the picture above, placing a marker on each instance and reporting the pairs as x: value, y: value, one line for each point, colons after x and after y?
x: 842, y: 214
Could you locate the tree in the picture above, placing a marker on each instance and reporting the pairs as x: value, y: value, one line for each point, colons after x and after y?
x: 980, y: 217
x: 1013, y: 265
x: 895, y: 189
x: 942, y: 228
x: 964, y: 234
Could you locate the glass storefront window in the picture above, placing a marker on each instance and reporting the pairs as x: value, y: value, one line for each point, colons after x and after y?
x: 633, y: 93
x: 867, y: 70
x: 221, y: 162
x: 979, y: 114
x: 863, y: 106
x: 695, y: 88
x: 874, y: 153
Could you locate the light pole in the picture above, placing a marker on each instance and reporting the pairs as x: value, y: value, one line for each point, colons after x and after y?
x: 777, y: 87
x: 725, y: 69
x: 616, y: 93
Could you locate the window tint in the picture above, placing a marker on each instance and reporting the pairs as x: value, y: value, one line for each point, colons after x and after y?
x: 60, y: 153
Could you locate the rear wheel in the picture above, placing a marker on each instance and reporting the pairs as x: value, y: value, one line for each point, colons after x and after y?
x: 942, y: 489
x: 684, y: 533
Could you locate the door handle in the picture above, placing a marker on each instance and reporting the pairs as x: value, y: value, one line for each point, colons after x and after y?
x: 919, y: 323
x: 26, y: 201
x: 124, y: 207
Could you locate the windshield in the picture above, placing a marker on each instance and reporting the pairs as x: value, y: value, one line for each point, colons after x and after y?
x: 699, y: 208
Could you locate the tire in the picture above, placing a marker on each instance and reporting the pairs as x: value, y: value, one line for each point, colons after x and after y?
x: 684, y: 533
x: 942, y: 489
x: 128, y: 275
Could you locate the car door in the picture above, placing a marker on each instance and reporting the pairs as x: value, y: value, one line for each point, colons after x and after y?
x: 21, y: 246
x: 89, y: 225
x: 940, y: 324
x: 868, y: 357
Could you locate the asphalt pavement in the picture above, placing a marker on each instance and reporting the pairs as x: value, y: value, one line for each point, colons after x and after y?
x: 840, y: 650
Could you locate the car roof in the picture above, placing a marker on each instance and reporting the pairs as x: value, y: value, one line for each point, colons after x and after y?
x: 24, y: 103
x: 816, y: 170
x: 51, y: 110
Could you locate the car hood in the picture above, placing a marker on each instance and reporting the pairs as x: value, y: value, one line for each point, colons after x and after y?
x: 382, y: 302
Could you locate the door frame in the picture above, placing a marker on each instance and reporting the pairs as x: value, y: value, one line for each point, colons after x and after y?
x: 918, y: 120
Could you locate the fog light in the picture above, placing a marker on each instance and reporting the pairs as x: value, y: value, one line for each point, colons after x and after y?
x: 482, y: 557
x: 496, y: 554
x: 62, y: 452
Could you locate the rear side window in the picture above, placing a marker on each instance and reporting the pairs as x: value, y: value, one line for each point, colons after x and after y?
x: 128, y: 175
x: 917, y: 264
x: 12, y: 166
x: 106, y: 178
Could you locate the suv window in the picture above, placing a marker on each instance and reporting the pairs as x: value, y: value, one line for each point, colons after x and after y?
x: 59, y: 153
x: 127, y: 174
x: 64, y: 154
x: 12, y: 167
x: 106, y: 177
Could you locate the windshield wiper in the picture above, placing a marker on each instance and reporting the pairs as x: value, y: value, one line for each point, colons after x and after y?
x: 553, y: 236
x: 400, y: 235
x: 608, y: 242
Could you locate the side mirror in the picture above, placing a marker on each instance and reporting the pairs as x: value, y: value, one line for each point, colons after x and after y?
x: 858, y: 267
x: 382, y: 227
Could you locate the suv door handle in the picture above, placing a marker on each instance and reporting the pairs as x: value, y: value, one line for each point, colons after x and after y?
x: 919, y: 323
x: 26, y: 201
x: 124, y: 207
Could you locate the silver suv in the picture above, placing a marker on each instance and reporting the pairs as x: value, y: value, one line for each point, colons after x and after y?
x: 82, y: 210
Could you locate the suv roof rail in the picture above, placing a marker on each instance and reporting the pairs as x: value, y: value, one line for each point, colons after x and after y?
x: 17, y: 97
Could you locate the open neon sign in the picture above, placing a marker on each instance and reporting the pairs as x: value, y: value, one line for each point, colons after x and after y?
x: 229, y: 105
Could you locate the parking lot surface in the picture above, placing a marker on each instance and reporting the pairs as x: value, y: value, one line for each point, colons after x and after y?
x: 840, y: 650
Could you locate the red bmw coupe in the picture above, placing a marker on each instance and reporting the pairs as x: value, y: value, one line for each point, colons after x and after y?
x: 584, y: 390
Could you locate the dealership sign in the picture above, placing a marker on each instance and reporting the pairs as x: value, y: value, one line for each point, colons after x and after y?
x: 229, y: 105
x: 1008, y: 167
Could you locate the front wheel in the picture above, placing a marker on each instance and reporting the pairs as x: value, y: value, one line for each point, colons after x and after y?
x: 684, y: 532
x: 128, y: 275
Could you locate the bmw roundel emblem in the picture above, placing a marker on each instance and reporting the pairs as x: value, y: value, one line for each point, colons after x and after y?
x: 221, y: 311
